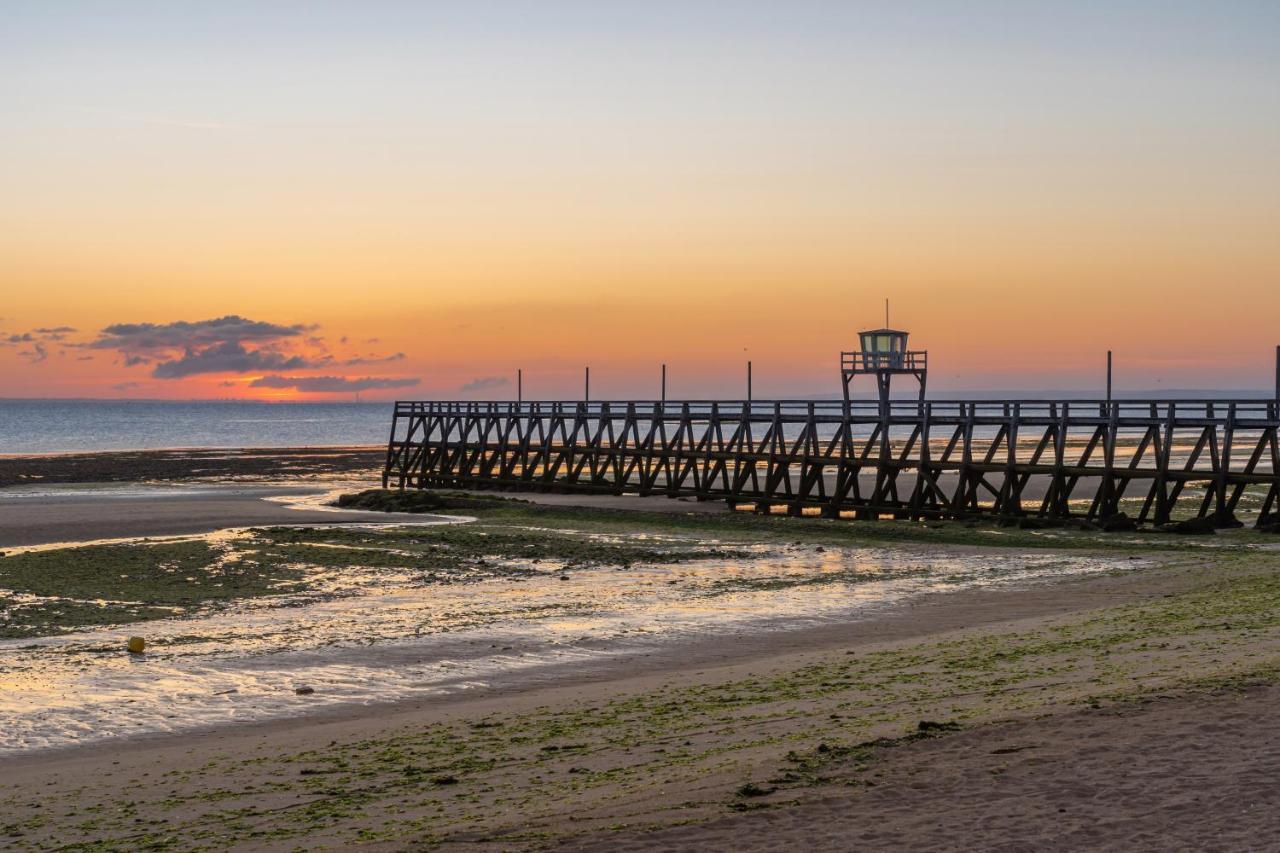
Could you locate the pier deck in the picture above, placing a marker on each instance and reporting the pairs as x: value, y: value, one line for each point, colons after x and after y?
x: 1156, y: 460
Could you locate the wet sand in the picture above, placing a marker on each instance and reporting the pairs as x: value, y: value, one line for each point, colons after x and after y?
x: 1189, y: 772
x: 687, y: 662
x: 38, y: 515
x: 69, y: 514
x: 368, y: 637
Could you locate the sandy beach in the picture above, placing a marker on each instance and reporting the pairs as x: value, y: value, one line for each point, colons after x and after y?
x: 980, y: 688
x: 1191, y: 772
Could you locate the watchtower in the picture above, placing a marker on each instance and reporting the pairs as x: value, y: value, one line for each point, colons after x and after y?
x: 883, y: 354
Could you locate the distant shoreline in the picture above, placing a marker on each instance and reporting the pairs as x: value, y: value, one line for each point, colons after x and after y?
x: 190, y: 464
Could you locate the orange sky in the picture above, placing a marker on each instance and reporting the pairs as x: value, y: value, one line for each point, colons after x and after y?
x: 622, y: 189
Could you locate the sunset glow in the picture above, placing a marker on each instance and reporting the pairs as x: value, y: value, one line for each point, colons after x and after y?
x: 412, y: 200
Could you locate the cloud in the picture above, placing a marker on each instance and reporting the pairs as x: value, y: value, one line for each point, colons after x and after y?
x: 229, y: 357
x: 132, y: 337
x: 230, y: 344
x: 374, y: 359
x: 484, y: 383
x: 326, y: 384
x: 57, y: 333
x: 126, y: 386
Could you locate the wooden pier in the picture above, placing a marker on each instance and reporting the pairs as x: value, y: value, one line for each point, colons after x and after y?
x: 1157, y: 461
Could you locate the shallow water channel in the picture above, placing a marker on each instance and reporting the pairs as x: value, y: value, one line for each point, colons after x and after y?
x: 364, y: 635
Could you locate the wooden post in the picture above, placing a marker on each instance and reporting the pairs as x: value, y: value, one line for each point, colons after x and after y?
x: 586, y: 385
x: 748, y: 383
x: 1108, y: 377
x: 519, y: 385
x: 664, y: 383
x: 1278, y: 379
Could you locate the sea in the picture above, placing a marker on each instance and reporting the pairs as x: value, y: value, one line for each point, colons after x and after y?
x: 71, y: 426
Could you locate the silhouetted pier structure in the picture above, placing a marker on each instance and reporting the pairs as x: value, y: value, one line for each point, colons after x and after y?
x: 906, y: 459
x: 1155, y: 460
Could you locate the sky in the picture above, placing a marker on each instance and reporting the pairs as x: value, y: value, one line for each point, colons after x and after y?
x: 316, y: 200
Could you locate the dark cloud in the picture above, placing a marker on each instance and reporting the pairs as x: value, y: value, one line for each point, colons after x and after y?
x: 225, y: 345
x: 230, y: 344
x: 318, y: 384
x: 131, y: 337
x: 228, y: 357
x: 53, y: 334
x: 484, y: 383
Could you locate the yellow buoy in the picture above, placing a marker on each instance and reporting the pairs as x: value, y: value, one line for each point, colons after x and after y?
x: 136, y: 645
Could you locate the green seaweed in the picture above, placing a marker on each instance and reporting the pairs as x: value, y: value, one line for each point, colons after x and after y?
x: 61, y: 589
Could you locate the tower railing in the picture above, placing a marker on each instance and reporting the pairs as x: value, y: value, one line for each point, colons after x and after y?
x: 861, y: 361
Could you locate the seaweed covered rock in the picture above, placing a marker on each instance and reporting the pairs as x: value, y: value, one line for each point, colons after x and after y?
x: 417, y: 501
x: 1205, y: 526
x: 1119, y: 523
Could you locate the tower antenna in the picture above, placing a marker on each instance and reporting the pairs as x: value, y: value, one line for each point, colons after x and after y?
x: 886, y: 312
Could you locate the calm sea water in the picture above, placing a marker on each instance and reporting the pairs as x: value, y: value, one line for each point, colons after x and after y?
x: 64, y: 426
x: 53, y: 426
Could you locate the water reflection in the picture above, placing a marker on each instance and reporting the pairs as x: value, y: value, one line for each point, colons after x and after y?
x: 376, y: 635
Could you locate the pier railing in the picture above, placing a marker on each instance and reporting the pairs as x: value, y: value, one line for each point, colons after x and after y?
x: 1155, y: 460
